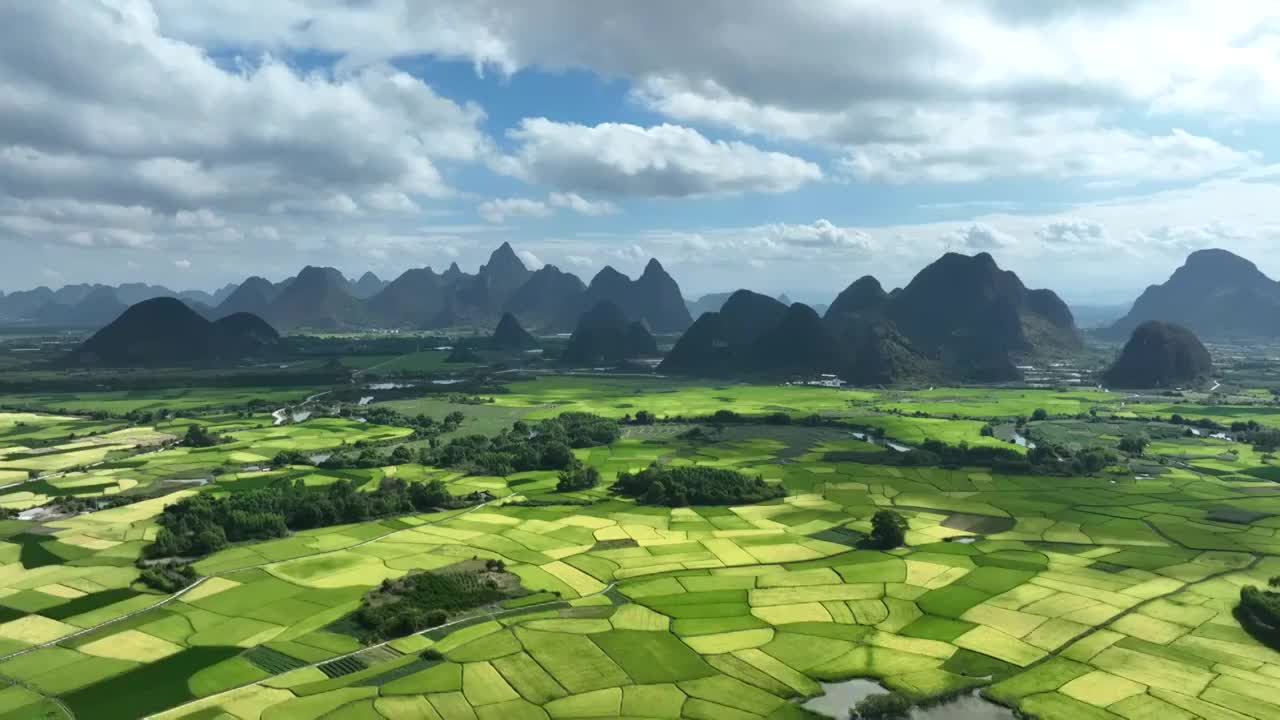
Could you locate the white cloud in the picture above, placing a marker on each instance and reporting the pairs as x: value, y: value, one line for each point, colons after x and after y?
x: 579, y: 261
x: 497, y: 211
x: 923, y: 89
x: 182, y: 264
x: 531, y: 261
x: 1059, y: 146
x: 101, y: 110
x: 1074, y: 234
x: 821, y: 234
x: 980, y: 236
x: 581, y: 205
x: 661, y: 161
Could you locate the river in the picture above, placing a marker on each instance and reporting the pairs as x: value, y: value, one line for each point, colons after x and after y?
x: 838, y: 698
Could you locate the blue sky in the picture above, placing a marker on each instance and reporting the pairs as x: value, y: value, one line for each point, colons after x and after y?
x: 1088, y: 146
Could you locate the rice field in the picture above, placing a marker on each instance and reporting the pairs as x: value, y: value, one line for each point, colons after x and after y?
x: 1106, y: 596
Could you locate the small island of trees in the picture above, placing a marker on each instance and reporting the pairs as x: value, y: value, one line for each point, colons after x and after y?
x: 679, y: 486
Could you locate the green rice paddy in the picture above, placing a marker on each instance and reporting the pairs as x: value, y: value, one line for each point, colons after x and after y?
x: 1105, y: 596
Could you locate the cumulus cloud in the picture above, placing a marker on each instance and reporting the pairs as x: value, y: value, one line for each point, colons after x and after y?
x: 100, y: 108
x: 581, y: 205
x: 910, y: 76
x: 1073, y: 234
x: 980, y: 236
x: 661, y: 161
x: 497, y: 211
x: 820, y: 234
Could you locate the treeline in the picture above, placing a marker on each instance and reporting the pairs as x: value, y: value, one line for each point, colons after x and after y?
x: 729, y: 417
x: 1259, y: 612
x: 1044, y: 459
x: 679, y: 486
x: 204, y: 524
x: 546, y: 445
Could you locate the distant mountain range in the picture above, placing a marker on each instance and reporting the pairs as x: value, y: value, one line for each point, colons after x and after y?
x: 961, y: 317
x: 321, y: 298
x: 1216, y: 294
x: 91, y: 306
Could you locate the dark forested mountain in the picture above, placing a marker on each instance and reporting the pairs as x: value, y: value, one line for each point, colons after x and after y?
x: 865, y: 295
x: 1214, y: 294
x: 252, y: 296
x: 320, y: 299
x: 605, y: 336
x: 414, y: 300
x: 551, y: 300
x: 798, y: 344
x: 164, y: 331
x: 721, y: 342
x: 960, y: 317
x: 510, y: 336
x: 974, y: 318
x: 1160, y: 355
x: 502, y: 275
x: 654, y: 297
x: 367, y: 286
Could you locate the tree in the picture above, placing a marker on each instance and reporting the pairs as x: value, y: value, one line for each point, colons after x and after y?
x: 198, y: 436
x: 1040, y: 414
x: 1135, y: 444
x: 888, y: 530
x: 655, y: 495
x: 579, y: 477
x: 644, y: 417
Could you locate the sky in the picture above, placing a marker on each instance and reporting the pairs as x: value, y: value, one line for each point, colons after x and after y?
x: 1089, y: 145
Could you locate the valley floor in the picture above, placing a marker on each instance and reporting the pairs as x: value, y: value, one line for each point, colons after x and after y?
x: 1092, y: 596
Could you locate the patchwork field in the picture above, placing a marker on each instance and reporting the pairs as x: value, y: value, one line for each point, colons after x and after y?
x: 1090, y: 596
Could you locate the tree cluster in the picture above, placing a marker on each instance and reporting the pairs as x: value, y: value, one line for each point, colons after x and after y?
x: 1259, y: 612
x: 578, y: 477
x: 168, y: 578
x: 882, y: 706
x: 678, y: 486
x: 199, y: 436
x: 425, y: 600
x: 203, y: 524
x: 1044, y: 459
x: 546, y: 445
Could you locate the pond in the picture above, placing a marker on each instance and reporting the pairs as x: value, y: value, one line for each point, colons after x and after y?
x: 837, y: 698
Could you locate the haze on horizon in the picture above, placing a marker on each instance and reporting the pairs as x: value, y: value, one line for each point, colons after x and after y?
x: 1088, y: 145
